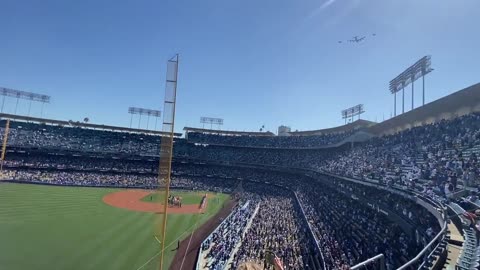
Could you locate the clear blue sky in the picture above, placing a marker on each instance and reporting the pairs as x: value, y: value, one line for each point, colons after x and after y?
x: 251, y: 62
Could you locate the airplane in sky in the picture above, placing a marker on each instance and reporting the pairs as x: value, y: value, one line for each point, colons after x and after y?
x: 357, y: 39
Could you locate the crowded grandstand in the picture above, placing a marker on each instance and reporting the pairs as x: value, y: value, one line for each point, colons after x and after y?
x: 321, y: 200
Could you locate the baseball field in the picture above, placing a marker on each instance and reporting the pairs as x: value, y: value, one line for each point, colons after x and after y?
x: 49, y: 227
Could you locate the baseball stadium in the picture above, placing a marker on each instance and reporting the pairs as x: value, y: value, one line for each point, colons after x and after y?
x: 361, y: 194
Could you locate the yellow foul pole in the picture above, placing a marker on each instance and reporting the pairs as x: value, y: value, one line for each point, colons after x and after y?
x: 166, y: 147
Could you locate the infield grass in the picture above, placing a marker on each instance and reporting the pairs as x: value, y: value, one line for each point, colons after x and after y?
x: 47, y: 227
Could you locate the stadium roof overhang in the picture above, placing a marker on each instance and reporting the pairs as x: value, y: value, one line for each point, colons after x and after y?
x: 344, y: 128
x: 81, y: 124
x: 227, y: 132
x: 456, y: 104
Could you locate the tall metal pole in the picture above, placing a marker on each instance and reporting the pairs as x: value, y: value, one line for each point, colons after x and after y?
x: 3, y: 103
x: 423, y: 80
x: 395, y: 103
x: 131, y: 119
x: 29, y: 107
x: 16, y: 105
x: 403, y: 99
x: 166, y: 150
x: 156, y: 118
x: 4, y: 145
x: 413, y: 95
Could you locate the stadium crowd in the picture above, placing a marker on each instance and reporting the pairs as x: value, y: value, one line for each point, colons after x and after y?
x: 367, y: 231
x: 73, y: 178
x: 269, y: 141
x: 218, y: 247
x: 33, y: 135
x: 278, y: 228
x: 436, y: 152
x: 416, y: 215
x: 346, y: 228
x: 80, y: 163
x: 432, y: 152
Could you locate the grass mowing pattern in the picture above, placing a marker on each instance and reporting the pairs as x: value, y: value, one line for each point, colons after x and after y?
x: 46, y: 227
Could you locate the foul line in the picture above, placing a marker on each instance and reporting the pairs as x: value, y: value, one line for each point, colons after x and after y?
x: 158, y: 253
x: 188, y: 246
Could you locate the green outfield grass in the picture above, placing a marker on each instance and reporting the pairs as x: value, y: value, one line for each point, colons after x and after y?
x: 188, y: 197
x: 45, y: 227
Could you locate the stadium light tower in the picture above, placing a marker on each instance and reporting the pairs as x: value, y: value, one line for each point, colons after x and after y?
x: 353, y: 111
x: 142, y: 111
x: 410, y: 75
x: 211, y: 121
x: 7, y: 92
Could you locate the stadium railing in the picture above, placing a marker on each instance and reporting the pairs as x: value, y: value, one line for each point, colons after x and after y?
x: 437, y: 209
x: 317, y: 246
x: 424, y: 257
x: 428, y: 252
x: 380, y: 258
x: 198, y: 266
